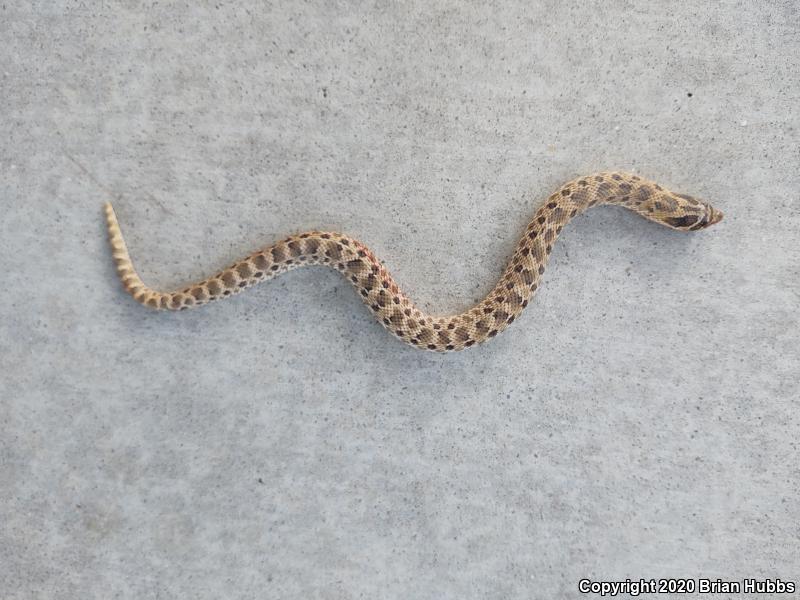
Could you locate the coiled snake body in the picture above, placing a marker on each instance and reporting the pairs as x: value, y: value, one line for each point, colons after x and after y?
x: 381, y: 293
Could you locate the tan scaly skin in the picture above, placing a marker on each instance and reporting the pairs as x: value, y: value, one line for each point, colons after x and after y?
x: 381, y: 293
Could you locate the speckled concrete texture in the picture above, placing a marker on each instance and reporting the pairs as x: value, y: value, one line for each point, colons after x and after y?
x: 639, y: 420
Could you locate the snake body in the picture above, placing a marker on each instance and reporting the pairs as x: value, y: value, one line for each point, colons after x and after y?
x: 380, y: 292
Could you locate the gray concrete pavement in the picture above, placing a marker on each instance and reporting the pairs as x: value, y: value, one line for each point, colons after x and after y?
x: 639, y: 420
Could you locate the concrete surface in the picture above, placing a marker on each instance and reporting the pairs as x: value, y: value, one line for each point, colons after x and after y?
x: 640, y: 420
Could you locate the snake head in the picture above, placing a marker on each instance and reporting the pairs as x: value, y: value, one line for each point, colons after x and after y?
x: 712, y: 216
x: 692, y: 214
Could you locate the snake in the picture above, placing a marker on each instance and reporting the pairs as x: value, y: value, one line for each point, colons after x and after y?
x: 383, y: 296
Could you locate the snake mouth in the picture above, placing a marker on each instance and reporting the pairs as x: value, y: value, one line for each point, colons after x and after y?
x: 711, y: 217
